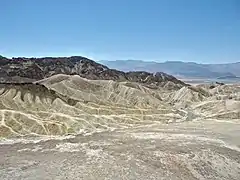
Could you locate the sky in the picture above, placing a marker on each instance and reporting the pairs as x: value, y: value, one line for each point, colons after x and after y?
x: 203, y: 31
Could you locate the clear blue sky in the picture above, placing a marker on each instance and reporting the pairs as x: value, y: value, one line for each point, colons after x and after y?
x: 206, y: 31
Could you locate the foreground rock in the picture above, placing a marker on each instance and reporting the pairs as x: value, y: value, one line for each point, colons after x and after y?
x: 206, y: 149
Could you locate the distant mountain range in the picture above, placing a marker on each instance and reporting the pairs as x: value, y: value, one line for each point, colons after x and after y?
x: 23, y: 69
x: 178, y: 68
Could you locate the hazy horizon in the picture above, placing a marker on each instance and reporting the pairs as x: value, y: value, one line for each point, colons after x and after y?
x: 102, y: 60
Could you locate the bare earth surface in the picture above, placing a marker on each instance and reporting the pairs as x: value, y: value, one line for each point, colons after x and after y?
x: 189, y: 150
x: 68, y: 127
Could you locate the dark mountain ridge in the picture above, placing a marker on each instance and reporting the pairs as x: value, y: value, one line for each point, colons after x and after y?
x: 23, y: 69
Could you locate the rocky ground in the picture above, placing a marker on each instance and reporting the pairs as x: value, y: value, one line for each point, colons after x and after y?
x: 208, y: 149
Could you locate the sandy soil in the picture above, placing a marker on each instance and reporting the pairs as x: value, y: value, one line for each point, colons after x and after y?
x: 190, y: 150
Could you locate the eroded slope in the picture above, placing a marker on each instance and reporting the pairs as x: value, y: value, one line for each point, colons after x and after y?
x: 70, y: 104
x: 65, y: 104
